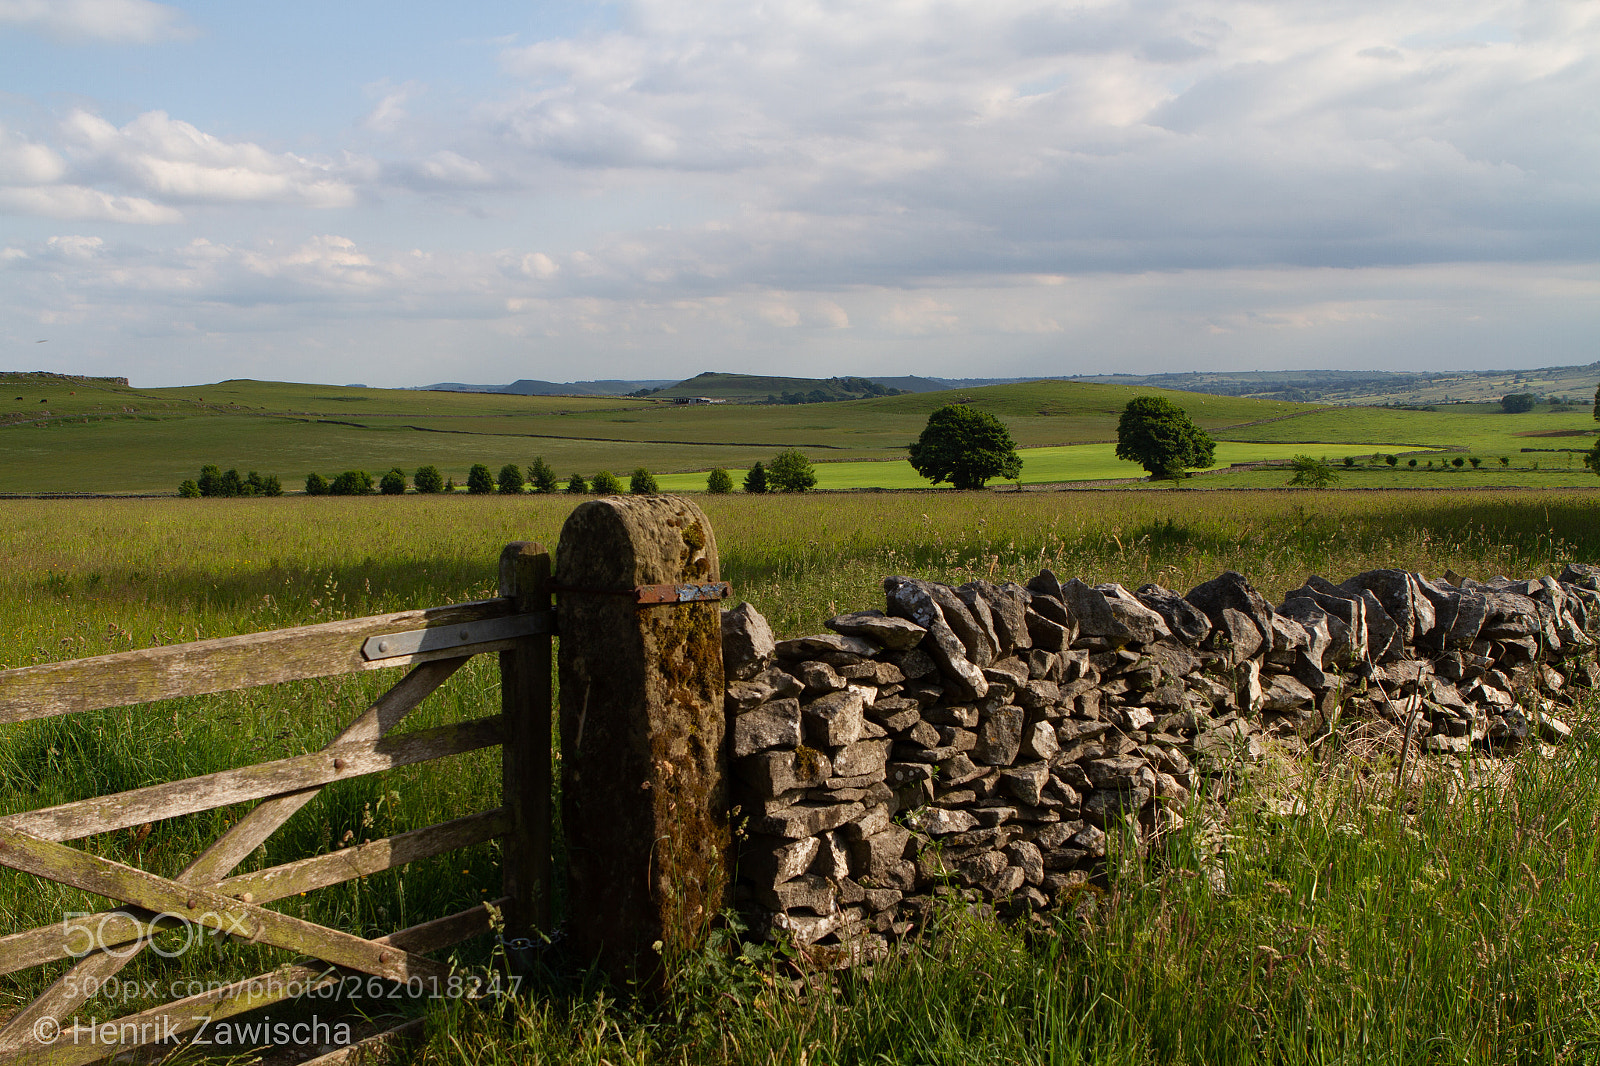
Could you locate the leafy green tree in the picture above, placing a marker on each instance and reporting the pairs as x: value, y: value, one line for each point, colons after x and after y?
x: 1413, y: 464
x: 510, y: 480
x: 718, y: 481
x: 1597, y: 403
x: 1393, y: 460
x: 316, y: 485
x: 1312, y: 473
x: 1458, y: 462
x: 427, y: 480
x: 231, y: 485
x: 643, y: 483
x: 1517, y: 403
x: 271, y: 485
x: 1475, y: 461
x: 1349, y: 462
x: 479, y: 481
x: 1592, y: 460
x: 393, y: 483
x: 210, y: 483
x: 966, y: 447
x: 257, y: 485
x: 450, y: 484
x: 351, y: 483
x: 605, y: 483
x: 791, y: 472
x: 1505, y: 460
x: 189, y: 490
x: 576, y: 486
x: 1156, y: 433
x: 542, y: 476
x: 755, y: 479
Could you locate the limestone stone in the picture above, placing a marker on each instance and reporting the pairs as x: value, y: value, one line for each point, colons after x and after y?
x: 895, y: 634
x: 999, y: 736
x: 1230, y: 589
x: 1187, y: 622
x: 770, y: 773
x: 806, y: 819
x: 772, y: 725
x: 824, y: 644
x: 864, y: 757
x: 912, y: 599
x: 874, y: 856
x: 940, y: 821
x: 834, y: 720
x: 1027, y: 782
x: 774, y: 860
x: 747, y: 644
x: 1026, y: 857
x: 1112, y: 613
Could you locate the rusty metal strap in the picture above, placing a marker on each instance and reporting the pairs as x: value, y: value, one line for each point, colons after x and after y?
x: 655, y: 595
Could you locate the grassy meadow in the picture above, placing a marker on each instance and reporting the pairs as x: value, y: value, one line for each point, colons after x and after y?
x: 77, y: 435
x: 1372, y: 927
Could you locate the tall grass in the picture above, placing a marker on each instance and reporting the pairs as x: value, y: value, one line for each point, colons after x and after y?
x: 1362, y: 931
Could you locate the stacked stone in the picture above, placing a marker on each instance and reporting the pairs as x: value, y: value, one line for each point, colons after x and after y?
x: 980, y: 740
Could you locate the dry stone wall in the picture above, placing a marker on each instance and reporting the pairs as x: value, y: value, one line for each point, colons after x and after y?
x: 981, y: 740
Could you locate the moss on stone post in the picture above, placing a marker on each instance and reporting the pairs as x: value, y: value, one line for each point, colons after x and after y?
x: 644, y: 806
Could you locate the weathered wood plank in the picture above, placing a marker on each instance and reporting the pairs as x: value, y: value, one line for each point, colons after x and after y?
x: 228, y: 663
x: 68, y: 991
x: 443, y: 932
x: 112, y: 929
x: 205, y: 906
x: 525, y: 756
x: 401, y: 1036
x: 82, y: 818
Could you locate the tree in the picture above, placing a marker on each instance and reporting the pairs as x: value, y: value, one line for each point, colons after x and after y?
x: 1393, y: 460
x: 210, y: 483
x: 1597, y: 403
x: 231, y: 484
x: 427, y: 480
x: 1475, y: 461
x: 316, y: 485
x: 966, y: 447
x: 1412, y: 463
x: 393, y: 483
x: 1516, y: 403
x: 542, y: 476
x: 1156, y: 433
x: 510, y: 480
x: 1592, y: 460
x: 1458, y: 462
x: 791, y: 472
x: 351, y: 483
x: 271, y: 485
x: 189, y: 490
x: 605, y: 483
x: 719, y: 482
x: 576, y: 486
x: 642, y: 483
x: 1312, y: 473
x: 755, y: 479
x: 450, y: 484
x: 479, y: 481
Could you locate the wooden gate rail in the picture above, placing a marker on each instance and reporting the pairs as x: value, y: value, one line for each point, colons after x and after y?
x: 435, y: 643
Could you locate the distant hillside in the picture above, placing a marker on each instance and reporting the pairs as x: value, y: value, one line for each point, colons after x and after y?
x: 746, y: 388
x: 534, y: 387
x: 1576, y: 383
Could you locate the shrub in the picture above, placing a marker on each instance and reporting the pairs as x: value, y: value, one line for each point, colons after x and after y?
x: 428, y: 480
x: 1413, y: 464
x: 755, y: 480
x: 271, y: 486
x: 1349, y: 462
x: 351, y: 483
x: 719, y: 482
x: 1458, y: 462
x: 479, y: 481
x: 393, y: 483
x: 1394, y: 460
x: 542, y: 476
x: 576, y: 485
x: 1505, y: 460
x: 210, y: 483
x: 231, y: 485
x: 1475, y: 461
x: 643, y: 483
x: 510, y: 480
x: 605, y: 483
x: 1312, y: 473
x: 189, y: 490
x: 791, y: 472
x: 1518, y: 402
x: 316, y: 485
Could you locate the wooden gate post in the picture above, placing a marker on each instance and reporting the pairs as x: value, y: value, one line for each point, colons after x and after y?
x: 525, y: 753
x: 643, y: 800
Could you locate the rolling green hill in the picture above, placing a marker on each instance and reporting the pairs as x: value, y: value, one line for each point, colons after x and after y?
x: 97, y: 435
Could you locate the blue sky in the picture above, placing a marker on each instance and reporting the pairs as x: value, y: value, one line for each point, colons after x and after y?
x: 399, y: 193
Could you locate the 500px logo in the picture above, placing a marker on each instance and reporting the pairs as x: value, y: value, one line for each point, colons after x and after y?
x: 122, y: 935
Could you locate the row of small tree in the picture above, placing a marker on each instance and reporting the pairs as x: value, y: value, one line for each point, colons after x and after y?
x: 214, y: 481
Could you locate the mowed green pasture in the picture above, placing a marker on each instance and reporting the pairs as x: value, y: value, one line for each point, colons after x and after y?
x: 1481, y: 428
x: 1374, y: 926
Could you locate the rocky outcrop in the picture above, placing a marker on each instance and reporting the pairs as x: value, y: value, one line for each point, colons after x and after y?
x: 983, y: 741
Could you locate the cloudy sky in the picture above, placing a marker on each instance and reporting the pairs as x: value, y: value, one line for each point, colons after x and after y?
x: 398, y: 193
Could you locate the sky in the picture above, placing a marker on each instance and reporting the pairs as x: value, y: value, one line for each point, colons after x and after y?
x: 398, y: 193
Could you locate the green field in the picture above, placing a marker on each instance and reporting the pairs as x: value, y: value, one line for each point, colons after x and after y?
x: 92, y: 437
x: 1424, y: 926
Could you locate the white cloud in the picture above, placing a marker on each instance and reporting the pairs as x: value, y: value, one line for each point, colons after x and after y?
x: 77, y: 203
x: 115, y: 21
x: 174, y: 161
x: 24, y: 163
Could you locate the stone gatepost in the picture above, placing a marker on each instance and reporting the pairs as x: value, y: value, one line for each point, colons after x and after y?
x: 644, y: 803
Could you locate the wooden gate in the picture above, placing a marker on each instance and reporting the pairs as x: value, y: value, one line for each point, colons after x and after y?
x: 433, y: 644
